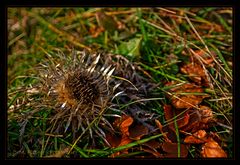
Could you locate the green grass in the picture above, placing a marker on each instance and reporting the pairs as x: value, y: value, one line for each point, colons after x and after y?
x: 147, y: 37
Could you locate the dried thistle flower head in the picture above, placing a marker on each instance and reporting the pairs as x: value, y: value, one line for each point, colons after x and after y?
x: 79, y: 90
x: 76, y: 95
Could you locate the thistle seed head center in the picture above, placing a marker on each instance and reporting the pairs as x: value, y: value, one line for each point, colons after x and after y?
x: 81, y: 87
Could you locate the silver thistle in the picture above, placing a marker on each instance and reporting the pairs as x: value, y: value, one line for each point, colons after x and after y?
x: 78, y: 89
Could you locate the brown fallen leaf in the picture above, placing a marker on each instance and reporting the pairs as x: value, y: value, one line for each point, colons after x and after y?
x: 186, y: 95
x: 113, y: 140
x: 168, y: 130
x: 152, y: 144
x: 136, y: 131
x: 186, y: 101
x: 211, y: 149
x: 182, y: 118
x: 205, y: 58
x: 195, y: 69
x: 95, y: 31
x: 171, y: 134
x: 171, y: 150
x: 188, y: 87
x: 123, y: 125
x: 156, y: 154
x: 210, y: 27
x: 159, y: 125
x: 197, y: 138
x: 201, y: 118
x: 125, y: 140
x: 206, y: 114
x: 152, y: 147
x: 195, y: 72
